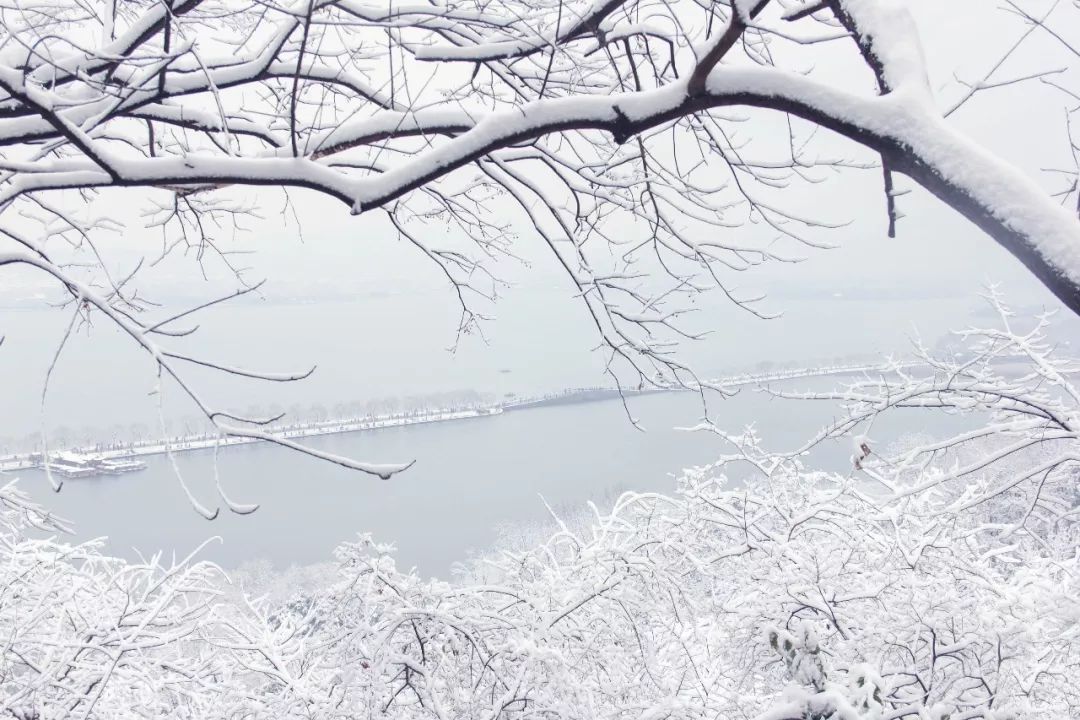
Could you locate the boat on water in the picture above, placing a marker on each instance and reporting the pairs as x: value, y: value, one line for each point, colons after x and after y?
x: 71, y: 465
x: 76, y: 465
x: 117, y: 466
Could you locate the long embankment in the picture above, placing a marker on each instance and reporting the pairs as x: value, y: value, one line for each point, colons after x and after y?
x: 596, y: 394
x: 137, y: 449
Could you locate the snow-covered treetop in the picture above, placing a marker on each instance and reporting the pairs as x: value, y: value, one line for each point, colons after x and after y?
x: 916, y: 584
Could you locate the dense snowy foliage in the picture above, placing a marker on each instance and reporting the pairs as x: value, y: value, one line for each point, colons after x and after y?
x: 937, y: 579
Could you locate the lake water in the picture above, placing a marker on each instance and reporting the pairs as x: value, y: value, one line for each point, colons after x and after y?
x: 471, y: 477
x: 396, y: 347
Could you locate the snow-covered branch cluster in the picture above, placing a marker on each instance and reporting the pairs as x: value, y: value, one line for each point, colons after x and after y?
x: 86, y: 635
x: 1014, y: 403
x: 609, y: 128
x: 921, y: 584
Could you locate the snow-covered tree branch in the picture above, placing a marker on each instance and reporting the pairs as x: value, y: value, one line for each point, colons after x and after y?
x: 576, y: 113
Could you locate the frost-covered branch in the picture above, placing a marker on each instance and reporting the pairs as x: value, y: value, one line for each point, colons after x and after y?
x: 611, y: 131
x: 609, y: 111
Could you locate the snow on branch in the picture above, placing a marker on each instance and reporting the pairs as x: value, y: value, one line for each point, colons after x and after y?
x: 610, y: 129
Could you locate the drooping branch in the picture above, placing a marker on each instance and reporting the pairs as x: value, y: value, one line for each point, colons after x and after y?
x: 631, y: 111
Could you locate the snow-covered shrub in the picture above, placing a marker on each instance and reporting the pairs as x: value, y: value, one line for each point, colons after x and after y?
x: 936, y: 581
x: 87, y: 636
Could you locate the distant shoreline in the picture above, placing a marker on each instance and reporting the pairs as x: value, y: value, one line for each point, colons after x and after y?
x: 94, y: 461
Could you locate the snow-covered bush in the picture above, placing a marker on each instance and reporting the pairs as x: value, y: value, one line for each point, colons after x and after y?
x: 938, y: 581
x: 89, y: 636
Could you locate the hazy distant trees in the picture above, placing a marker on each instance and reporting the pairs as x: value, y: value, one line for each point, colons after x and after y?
x: 297, y: 414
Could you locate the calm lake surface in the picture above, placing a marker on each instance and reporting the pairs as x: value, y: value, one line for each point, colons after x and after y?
x: 472, y: 479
